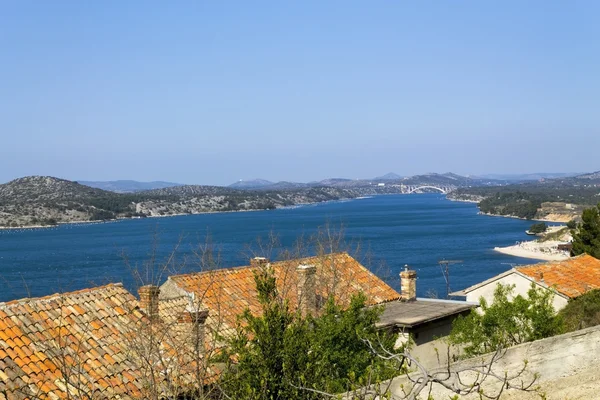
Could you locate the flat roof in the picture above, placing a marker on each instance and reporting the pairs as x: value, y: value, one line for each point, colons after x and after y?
x: 412, y: 313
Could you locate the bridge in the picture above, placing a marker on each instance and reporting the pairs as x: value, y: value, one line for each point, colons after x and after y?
x: 408, y: 189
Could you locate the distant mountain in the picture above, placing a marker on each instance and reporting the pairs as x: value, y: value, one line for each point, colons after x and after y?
x: 391, y: 176
x: 251, y: 184
x: 128, y: 186
x: 590, y: 176
x: 529, y: 177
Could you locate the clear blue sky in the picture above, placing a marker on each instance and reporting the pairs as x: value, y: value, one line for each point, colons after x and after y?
x: 214, y: 91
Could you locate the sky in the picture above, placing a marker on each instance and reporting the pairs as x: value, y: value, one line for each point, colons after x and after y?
x: 210, y: 92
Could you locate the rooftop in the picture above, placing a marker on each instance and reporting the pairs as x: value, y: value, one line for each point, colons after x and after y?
x: 229, y: 291
x: 42, y: 338
x: 570, y: 278
x: 412, y: 313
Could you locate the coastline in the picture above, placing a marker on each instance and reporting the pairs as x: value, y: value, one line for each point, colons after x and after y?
x: 518, y: 250
x: 9, y: 228
x: 540, y: 249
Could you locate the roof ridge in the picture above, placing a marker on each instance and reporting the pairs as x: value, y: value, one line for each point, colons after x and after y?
x: 554, y: 262
x: 16, y: 302
x: 242, y: 267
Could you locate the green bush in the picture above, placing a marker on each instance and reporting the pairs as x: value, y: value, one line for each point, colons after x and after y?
x: 582, y: 312
x: 506, y: 322
x: 280, y: 352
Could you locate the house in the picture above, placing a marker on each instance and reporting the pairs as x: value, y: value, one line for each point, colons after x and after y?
x: 93, y: 343
x: 569, y: 279
x: 425, y: 321
x: 307, y: 283
x: 105, y: 343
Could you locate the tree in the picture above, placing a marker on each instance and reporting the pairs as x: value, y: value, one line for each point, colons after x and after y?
x: 538, y: 228
x: 586, y: 238
x: 505, y: 322
x: 281, y: 354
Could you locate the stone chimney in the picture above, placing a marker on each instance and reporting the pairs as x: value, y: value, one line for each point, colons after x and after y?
x: 307, y: 289
x: 191, y: 328
x: 259, y: 261
x: 408, y: 284
x: 149, y: 301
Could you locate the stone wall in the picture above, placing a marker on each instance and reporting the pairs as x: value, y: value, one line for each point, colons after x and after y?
x: 558, y: 360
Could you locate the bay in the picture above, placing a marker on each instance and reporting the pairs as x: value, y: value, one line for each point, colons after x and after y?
x: 418, y: 230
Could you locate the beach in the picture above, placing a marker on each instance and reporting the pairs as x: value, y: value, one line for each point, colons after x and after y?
x: 539, y: 249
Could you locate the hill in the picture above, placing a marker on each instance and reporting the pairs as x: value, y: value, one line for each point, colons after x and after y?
x: 559, y: 199
x: 128, y: 186
x: 45, y: 200
x: 390, y: 176
x: 37, y: 200
x: 251, y: 184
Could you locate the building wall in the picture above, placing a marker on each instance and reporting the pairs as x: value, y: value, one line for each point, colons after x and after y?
x: 552, y: 358
x: 522, y: 286
x: 429, y: 345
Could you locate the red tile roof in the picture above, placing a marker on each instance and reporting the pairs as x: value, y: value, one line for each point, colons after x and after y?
x: 572, y: 277
x: 228, y: 292
x: 93, y: 343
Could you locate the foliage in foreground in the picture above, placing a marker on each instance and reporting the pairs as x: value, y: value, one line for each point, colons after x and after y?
x: 582, y: 312
x: 586, y: 237
x: 281, y: 354
x: 506, y: 322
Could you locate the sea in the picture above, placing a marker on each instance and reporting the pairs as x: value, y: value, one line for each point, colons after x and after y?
x: 387, y: 233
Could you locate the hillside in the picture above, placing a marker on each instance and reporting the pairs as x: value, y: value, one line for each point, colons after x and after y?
x: 44, y: 200
x: 36, y: 200
x: 559, y: 199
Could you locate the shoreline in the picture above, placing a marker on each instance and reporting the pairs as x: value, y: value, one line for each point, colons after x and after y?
x: 540, y: 249
x: 9, y: 228
x: 518, y: 251
x: 558, y: 221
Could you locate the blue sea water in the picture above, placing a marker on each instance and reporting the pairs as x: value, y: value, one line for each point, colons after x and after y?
x: 417, y: 230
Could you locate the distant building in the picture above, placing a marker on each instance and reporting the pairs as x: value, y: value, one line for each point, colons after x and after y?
x: 568, y: 279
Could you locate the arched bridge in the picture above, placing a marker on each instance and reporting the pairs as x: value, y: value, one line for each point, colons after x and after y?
x: 418, y: 188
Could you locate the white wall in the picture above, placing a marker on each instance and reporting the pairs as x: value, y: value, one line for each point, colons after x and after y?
x: 522, y: 286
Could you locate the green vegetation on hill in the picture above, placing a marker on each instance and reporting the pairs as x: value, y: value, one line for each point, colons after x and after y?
x: 47, y: 201
x: 525, y: 200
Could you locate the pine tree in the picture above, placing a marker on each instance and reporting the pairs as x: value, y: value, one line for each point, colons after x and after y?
x: 586, y: 237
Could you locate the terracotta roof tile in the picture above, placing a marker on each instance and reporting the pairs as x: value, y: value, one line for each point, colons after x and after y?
x: 227, y: 292
x: 89, y: 329
x: 572, y: 277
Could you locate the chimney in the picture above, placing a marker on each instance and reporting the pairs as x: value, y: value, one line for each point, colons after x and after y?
x: 408, y: 284
x: 149, y: 301
x: 191, y: 327
x: 259, y: 261
x: 307, y: 294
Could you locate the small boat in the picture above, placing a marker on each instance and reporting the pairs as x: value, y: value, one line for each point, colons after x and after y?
x: 530, y: 233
